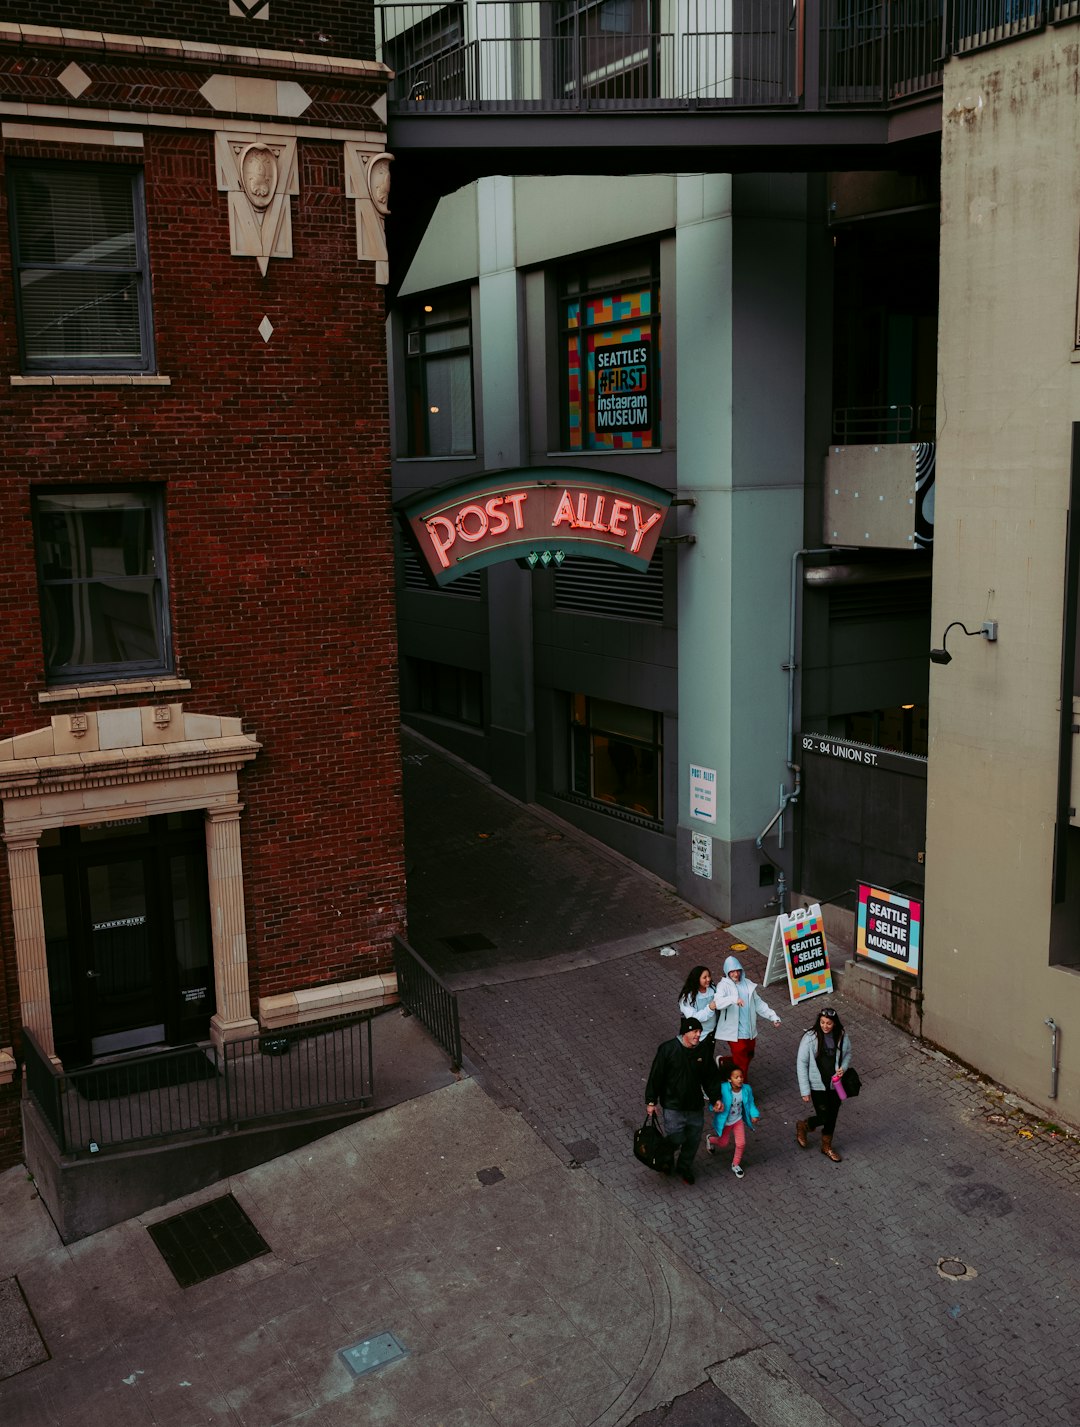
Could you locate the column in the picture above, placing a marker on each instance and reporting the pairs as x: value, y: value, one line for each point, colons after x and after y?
x: 511, y: 735
x: 232, y: 1019
x: 35, y: 1005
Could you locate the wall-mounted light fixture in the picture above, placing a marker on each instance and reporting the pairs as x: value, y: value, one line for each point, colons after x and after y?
x: 988, y: 630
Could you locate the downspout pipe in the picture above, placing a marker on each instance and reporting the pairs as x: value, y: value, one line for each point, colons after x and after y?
x: 789, y: 796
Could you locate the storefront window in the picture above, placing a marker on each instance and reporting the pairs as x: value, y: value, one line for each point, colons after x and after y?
x: 616, y: 755
x: 611, y: 372
x: 448, y: 692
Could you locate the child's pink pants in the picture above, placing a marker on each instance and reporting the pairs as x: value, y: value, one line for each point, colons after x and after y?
x: 739, y: 1130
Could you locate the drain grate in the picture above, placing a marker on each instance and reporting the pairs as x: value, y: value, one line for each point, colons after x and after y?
x: 372, y: 1353
x: 203, y: 1242
x: 468, y: 941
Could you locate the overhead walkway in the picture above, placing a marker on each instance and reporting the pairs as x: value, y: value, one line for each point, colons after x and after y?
x: 648, y: 86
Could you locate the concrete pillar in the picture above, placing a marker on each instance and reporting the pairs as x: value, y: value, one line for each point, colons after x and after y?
x: 510, y: 622
x: 35, y: 1004
x: 740, y: 321
x: 232, y: 1019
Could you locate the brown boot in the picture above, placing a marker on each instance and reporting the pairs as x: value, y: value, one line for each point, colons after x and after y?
x: 827, y: 1149
x: 800, y: 1132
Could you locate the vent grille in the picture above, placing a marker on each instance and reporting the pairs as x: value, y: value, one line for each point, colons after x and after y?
x: 599, y: 587
x: 467, y: 586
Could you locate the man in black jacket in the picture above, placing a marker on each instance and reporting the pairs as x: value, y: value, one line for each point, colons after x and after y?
x: 682, y: 1076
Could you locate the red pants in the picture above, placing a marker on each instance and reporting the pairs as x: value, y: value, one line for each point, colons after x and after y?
x: 742, y: 1053
x: 738, y: 1134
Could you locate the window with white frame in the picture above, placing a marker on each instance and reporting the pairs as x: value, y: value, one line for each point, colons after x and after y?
x: 82, y: 289
x: 101, y: 574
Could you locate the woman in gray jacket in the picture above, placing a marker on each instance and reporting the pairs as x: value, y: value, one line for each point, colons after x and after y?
x: 824, y: 1055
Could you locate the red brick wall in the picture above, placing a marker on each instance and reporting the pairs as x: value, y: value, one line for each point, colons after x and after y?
x: 10, y: 1126
x: 275, y: 462
x: 341, y: 27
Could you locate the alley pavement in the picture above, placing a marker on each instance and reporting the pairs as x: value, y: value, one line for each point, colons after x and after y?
x: 496, y: 1223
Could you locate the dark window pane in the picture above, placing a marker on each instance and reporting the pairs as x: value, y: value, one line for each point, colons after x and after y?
x: 79, y: 242
x: 79, y: 314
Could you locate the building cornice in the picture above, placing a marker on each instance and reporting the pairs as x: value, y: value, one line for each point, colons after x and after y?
x: 100, y: 43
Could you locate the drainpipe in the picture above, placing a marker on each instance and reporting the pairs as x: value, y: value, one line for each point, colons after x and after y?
x: 789, y: 796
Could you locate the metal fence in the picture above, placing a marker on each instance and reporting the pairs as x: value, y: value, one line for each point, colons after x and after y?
x: 858, y: 425
x: 293, y: 1073
x: 424, y: 994
x: 519, y: 55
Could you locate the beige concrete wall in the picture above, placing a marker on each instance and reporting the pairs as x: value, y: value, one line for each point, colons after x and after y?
x: 1009, y: 389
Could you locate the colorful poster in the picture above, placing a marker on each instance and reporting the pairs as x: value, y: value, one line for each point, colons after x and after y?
x: 806, y: 955
x: 888, y: 929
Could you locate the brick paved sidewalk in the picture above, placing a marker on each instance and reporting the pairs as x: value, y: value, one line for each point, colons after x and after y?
x: 837, y: 1263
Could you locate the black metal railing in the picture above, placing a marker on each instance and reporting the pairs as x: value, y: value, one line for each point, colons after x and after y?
x: 291, y: 1073
x: 884, y: 425
x: 517, y: 55
x: 424, y: 994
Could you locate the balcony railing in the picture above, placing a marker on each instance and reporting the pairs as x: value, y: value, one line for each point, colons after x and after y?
x: 298, y: 1072
x: 552, y: 55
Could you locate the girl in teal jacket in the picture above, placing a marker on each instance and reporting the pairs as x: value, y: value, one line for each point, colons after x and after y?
x: 737, y: 1111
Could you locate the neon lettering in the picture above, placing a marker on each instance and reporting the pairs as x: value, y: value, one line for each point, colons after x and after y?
x: 582, y: 518
x: 620, y: 509
x: 494, y: 508
x: 517, y: 500
x: 565, y: 511
x: 441, y: 546
x: 481, y: 531
x: 598, y: 514
x: 640, y: 530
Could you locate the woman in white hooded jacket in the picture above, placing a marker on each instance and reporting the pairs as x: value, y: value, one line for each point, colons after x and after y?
x: 738, y: 1005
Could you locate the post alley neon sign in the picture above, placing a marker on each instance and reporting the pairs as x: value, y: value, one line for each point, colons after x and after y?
x: 536, y: 515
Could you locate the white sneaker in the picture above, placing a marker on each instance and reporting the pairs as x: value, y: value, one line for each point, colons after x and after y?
x: 737, y: 1171
x: 709, y: 1146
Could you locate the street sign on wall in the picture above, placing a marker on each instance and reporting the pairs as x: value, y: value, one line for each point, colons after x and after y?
x: 536, y: 515
x: 888, y: 929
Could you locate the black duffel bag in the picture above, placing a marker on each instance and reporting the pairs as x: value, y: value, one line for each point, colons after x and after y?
x: 653, y: 1148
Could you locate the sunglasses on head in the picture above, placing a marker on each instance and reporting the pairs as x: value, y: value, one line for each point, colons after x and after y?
x: 830, y: 1014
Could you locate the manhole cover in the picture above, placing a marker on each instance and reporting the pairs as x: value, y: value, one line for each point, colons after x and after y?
x: 372, y: 1353
x: 954, y: 1269
x: 207, y: 1240
x: 468, y: 941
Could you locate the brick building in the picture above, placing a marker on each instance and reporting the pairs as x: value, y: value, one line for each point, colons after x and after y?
x: 199, y: 767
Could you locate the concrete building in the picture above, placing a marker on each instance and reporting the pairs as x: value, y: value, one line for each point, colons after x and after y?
x: 1003, y: 835
x: 660, y: 711
x: 199, y: 670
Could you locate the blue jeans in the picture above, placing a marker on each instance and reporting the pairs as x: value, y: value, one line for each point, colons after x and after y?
x: 684, y: 1128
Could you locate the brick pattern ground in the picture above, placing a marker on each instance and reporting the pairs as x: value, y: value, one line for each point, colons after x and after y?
x: 511, y: 876
x: 838, y: 1263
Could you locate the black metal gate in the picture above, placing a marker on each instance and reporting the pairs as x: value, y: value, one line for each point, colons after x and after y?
x: 862, y: 817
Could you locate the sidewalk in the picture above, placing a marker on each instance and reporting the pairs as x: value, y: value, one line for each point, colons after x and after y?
x: 536, y: 1273
x: 521, y: 1291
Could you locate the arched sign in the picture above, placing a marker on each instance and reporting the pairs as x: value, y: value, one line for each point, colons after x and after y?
x: 537, y: 515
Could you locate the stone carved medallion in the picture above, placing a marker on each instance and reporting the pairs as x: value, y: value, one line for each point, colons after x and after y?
x: 258, y: 169
x: 378, y: 181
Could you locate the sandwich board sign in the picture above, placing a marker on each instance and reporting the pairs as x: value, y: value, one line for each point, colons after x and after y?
x: 798, y: 950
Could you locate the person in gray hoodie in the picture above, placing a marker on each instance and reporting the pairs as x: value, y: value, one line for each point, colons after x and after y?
x: 738, y: 1005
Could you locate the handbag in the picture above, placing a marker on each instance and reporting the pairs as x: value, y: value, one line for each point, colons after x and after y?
x: 653, y: 1148
x: 851, y: 1082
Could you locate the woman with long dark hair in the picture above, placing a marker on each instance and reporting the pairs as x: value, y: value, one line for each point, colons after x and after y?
x: 697, y: 999
x: 824, y: 1055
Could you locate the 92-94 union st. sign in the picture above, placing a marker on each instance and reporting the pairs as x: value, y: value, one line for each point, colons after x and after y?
x: 535, y: 515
